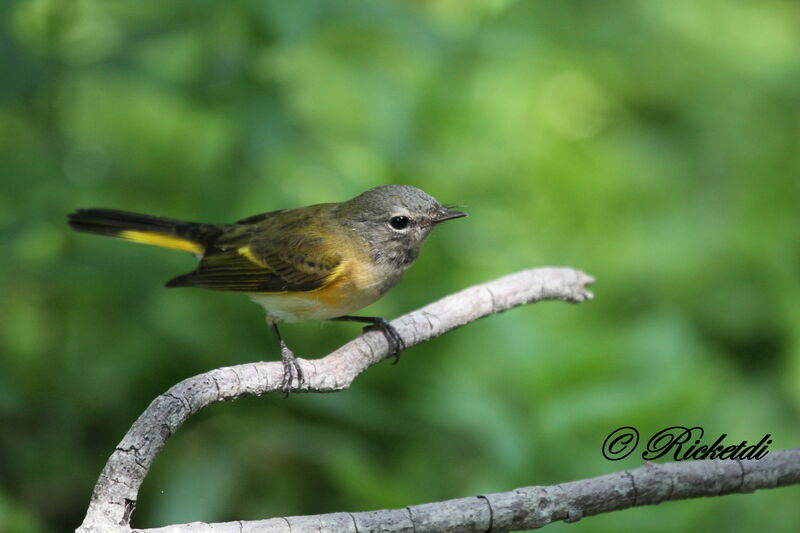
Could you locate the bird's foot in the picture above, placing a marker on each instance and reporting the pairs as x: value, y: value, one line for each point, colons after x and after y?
x: 396, y: 342
x: 291, y: 370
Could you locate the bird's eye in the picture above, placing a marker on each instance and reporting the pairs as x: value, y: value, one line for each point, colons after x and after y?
x: 399, y: 222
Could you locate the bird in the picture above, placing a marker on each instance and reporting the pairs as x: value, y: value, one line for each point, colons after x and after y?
x: 317, y: 262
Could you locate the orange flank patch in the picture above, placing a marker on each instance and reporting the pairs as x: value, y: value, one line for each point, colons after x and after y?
x: 348, y: 288
x: 337, y: 282
x: 160, y: 239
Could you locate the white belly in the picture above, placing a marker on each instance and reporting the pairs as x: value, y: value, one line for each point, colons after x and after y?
x: 290, y: 308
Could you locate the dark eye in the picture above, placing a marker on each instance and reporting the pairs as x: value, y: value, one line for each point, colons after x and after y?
x: 399, y: 222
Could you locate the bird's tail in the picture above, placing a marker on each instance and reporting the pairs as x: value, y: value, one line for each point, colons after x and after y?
x: 176, y: 234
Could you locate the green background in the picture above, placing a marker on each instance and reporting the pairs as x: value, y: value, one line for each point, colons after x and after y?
x: 652, y: 144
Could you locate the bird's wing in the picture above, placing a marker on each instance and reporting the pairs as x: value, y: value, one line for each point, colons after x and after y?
x: 284, y: 255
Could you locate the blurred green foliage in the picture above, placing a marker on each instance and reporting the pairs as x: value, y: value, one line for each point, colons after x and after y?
x: 652, y: 144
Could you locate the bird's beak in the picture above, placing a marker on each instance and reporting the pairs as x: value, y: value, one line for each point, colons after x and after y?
x: 447, y: 214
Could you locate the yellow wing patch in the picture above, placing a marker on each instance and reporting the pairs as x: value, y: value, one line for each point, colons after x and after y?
x: 248, y: 253
x: 337, y: 275
x: 160, y: 239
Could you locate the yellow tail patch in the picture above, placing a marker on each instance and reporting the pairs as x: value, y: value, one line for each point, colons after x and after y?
x: 160, y: 239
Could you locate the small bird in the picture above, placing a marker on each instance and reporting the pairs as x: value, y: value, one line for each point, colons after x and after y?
x: 318, y: 262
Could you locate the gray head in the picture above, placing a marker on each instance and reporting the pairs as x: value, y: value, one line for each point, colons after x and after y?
x: 395, y: 220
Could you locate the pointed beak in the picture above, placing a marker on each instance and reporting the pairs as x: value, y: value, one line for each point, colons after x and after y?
x: 447, y: 214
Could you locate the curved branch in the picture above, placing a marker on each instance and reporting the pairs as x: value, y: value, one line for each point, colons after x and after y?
x: 535, y: 507
x: 116, y: 491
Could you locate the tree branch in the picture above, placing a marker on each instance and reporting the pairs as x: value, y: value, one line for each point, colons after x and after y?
x: 535, y: 507
x: 115, y: 493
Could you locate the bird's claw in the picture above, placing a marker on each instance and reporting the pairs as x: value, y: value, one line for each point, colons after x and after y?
x: 291, y: 370
x: 396, y: 342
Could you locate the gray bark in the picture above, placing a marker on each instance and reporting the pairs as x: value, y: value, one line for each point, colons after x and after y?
x: 535, y: 507
x: 116, y: 491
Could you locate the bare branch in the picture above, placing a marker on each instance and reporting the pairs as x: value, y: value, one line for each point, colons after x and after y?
x: 116, y: 491
x: 535, y: 507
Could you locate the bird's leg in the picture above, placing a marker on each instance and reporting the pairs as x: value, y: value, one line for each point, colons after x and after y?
x: 396, y: 342
x: 291, y: 368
